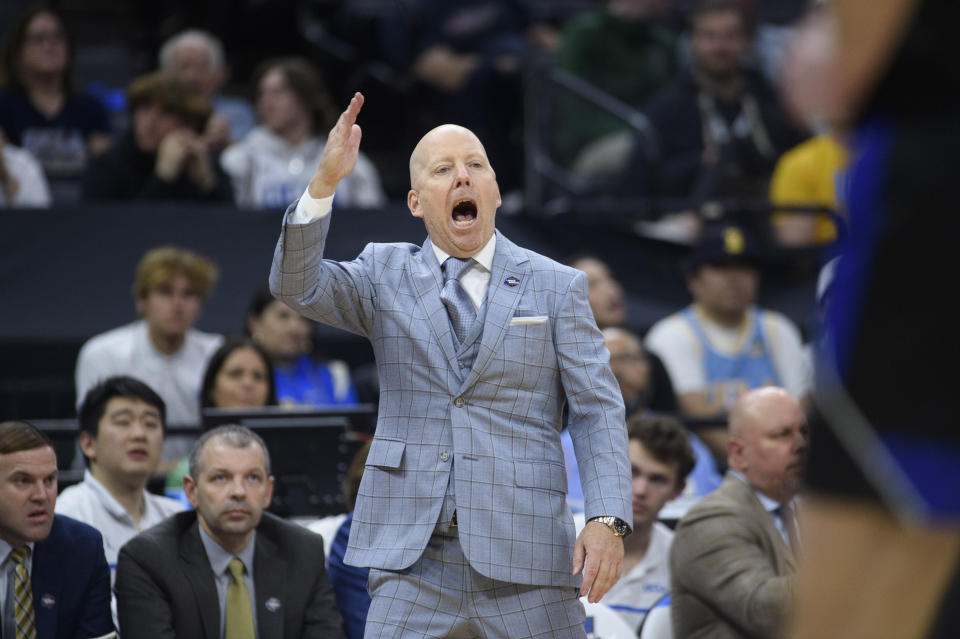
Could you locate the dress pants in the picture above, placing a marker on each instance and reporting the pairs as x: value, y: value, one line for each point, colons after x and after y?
x: 442, y: 596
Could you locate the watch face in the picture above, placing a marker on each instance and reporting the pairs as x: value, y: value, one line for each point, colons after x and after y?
x: 620, y: 526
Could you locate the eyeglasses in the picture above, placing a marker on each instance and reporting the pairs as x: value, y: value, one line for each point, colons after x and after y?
x: 40, y: 37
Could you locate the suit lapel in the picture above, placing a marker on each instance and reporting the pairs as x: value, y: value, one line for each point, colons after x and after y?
x: 196, y: 565
x: 270, y: 576
x: 428, y: 281
x: 502, y: 300
x: 784, y: 556
x: 45, y: 579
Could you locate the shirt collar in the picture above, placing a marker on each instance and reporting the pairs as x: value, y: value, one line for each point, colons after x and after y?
x: 109, y: 502
x: 220, y: 559
x: 484, y: 258
x: 6, y: 549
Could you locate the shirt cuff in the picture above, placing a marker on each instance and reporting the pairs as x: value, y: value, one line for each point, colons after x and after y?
x: 310, y: 208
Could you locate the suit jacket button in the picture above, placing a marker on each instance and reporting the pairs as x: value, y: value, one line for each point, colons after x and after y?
x: 458, y: 402
x: 444, y: 456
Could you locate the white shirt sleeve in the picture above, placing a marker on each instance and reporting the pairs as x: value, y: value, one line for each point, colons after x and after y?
x: 310, y: 208
x: 674, y: 342
x: 33, y: 188
x: 787, y: 350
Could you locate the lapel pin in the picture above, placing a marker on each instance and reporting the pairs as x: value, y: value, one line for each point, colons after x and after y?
x: 272, y: 604
x: 511, y: 281
x: 48, y: 601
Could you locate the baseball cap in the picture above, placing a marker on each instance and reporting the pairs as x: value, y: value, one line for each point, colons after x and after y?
x: 723, y: 244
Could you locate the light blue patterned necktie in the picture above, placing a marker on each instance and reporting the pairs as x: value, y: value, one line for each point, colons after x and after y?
x: 460, y: 307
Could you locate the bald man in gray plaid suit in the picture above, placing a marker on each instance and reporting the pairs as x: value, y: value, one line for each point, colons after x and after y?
x: 461, y: 513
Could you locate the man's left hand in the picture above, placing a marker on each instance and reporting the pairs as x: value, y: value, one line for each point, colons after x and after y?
x: 598, y: 553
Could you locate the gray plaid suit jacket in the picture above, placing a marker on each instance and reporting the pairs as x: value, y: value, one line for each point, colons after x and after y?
x: 497, y: 427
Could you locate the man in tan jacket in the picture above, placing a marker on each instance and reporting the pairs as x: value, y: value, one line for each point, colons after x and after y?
x: 733, y: 556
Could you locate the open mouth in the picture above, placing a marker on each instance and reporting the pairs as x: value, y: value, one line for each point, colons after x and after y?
x: 464, y: 213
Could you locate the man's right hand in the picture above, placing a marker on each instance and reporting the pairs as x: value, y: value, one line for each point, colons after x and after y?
x: 172, y: 154
x: 340, y: 153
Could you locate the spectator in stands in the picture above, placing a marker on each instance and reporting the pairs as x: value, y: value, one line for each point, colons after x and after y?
x: 121, y: 437
x: 239, y: 375
x: 196, y: 57
x: 286, y: 337
x: 809, y: 174
x: 606, y: 293
x: 623, y: 49
x: 22, y: 182
x: 41, y: 109
x: 631, y: 366
x: 660, y: 460
x: 350, y: 582
x: 273, y: 164
x: 469, y: 56
x: 722, y: 345
x: 227, y: 568
x: 163, y: 156
x: 610, y: 311
x: 733, y: 557
x: 162, y: 348
x: 720, y: 127
x: 54, y: 571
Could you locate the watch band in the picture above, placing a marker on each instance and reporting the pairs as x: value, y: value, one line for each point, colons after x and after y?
x: 619, y: 527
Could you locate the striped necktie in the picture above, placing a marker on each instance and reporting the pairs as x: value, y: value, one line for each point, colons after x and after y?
x: 23, y: 616
x: 460, y: 307
x: 238, y: 622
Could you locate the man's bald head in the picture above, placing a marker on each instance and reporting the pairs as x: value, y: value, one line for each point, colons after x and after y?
x: 769, y: 441
x: 418, y: 159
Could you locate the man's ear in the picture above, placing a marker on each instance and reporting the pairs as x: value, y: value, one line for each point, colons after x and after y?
x: 88, y: 445
x: 734, y: 452
x: 139, y: 303
x: 269, y: 493
x: 413, y: 203
x: 190, y: 490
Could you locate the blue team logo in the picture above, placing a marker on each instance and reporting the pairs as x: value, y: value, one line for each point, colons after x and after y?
x: 511, y: 281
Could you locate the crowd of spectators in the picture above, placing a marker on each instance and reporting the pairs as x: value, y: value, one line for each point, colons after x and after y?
x: 703, y: 77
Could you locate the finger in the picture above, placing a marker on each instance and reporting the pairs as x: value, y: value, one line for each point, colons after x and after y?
x: 602, y: 583
x: 589, y: 575
x: 349, y: 117
x: 578, y: 556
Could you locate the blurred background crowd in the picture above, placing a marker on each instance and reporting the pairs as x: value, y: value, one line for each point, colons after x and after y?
x: 628, y: 129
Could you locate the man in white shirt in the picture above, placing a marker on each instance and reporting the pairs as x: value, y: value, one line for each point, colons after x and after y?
x: 722, y: 345
x: 121, y: 436
x: 660, y: 460
x: 162, y: 349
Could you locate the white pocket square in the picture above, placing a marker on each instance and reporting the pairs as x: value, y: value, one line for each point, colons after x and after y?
x: 529, y: 319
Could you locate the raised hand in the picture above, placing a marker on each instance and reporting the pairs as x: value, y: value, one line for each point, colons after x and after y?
x: 340, y: 152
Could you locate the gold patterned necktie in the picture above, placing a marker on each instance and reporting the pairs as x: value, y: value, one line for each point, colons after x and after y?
x: 23, y: 616
x: 239, y: 613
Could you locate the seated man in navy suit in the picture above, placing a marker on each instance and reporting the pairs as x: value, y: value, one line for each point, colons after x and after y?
x: 54, y: 580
